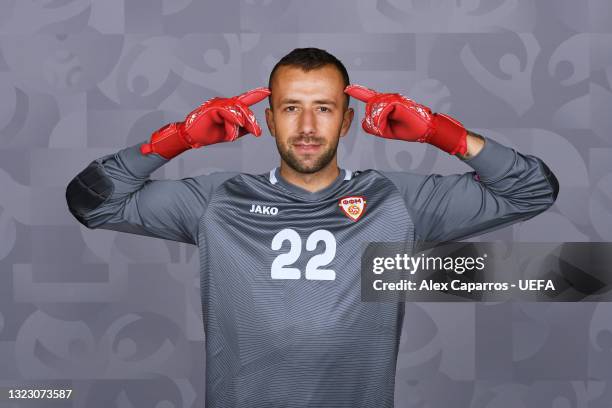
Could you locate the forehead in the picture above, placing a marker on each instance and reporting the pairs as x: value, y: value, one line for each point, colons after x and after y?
x: 296, y: 83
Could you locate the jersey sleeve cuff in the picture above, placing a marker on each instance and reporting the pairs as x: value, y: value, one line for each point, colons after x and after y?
x: 133, y: 161
x: 493, y: 161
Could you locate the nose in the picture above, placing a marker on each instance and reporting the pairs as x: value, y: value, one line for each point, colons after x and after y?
x: 308, y: 122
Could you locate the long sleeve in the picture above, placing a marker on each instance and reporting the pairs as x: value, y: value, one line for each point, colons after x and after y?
x: 506, y: 187
x: 115, y: 192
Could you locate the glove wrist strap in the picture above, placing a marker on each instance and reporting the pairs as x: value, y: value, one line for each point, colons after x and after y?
x: 168, y: 142
x: 448, y: 134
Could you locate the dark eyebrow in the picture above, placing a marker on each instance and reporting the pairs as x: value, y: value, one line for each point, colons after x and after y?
x: 318, y: 101
x: 287, y: 100
x: 325, y: 102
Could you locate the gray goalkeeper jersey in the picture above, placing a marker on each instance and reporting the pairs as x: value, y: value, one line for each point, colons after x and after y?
x: 280, y: 266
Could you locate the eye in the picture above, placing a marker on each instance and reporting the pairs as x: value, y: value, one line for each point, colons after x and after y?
x: 290, y: 108
x: 324, y: 109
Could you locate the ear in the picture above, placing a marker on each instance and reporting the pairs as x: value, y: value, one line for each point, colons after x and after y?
x: 346, y: 121
x: 270, y: 121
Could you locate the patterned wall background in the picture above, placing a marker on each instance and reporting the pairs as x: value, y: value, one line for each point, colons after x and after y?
x: 116, y: 317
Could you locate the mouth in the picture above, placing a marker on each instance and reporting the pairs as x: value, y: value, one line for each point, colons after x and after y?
x: 306, y: 147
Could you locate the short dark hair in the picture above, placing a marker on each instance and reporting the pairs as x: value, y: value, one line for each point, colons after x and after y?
x: 308, y: 59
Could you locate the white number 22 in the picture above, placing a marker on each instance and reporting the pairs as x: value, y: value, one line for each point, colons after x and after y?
x: 280, y: 268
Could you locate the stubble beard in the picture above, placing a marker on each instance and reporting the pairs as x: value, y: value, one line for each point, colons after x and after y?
x: 288, y: 155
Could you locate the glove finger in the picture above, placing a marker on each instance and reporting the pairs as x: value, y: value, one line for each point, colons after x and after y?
x: 231, y: 122
x: 230, y: 114
x: 250, y: 122
x: 374, y: 130
x: 253, y: 127
x: 378, y: 122
x: 418, y: 112
x: 253, y: 96
x: 231, y: 130
x: 360, y: 92
x: 412, y: 121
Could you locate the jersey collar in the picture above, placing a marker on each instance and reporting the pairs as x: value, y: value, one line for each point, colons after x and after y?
x: 275, y: 178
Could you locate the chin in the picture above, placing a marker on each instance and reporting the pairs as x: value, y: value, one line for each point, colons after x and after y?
x: 310, y: 165
x: 307, y: 169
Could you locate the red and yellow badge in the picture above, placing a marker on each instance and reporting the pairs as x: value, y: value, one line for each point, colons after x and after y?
x: 353, y: 206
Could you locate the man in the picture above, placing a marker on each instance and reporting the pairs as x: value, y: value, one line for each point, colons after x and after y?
x: 279, y: 252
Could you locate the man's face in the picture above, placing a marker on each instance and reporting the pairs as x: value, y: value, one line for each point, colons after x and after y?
x: 308, y: 116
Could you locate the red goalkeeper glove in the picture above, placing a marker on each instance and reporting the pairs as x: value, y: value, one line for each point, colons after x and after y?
x: 393, y: 116
x: 216, y: 120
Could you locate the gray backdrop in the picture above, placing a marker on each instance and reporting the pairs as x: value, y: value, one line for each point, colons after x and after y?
x: 116, y: 317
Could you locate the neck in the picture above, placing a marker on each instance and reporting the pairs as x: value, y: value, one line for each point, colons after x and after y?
x: 312, y: 182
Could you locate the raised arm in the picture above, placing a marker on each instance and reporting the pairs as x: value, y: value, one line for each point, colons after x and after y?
x: 115, y: 191
x: 506, y: 187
